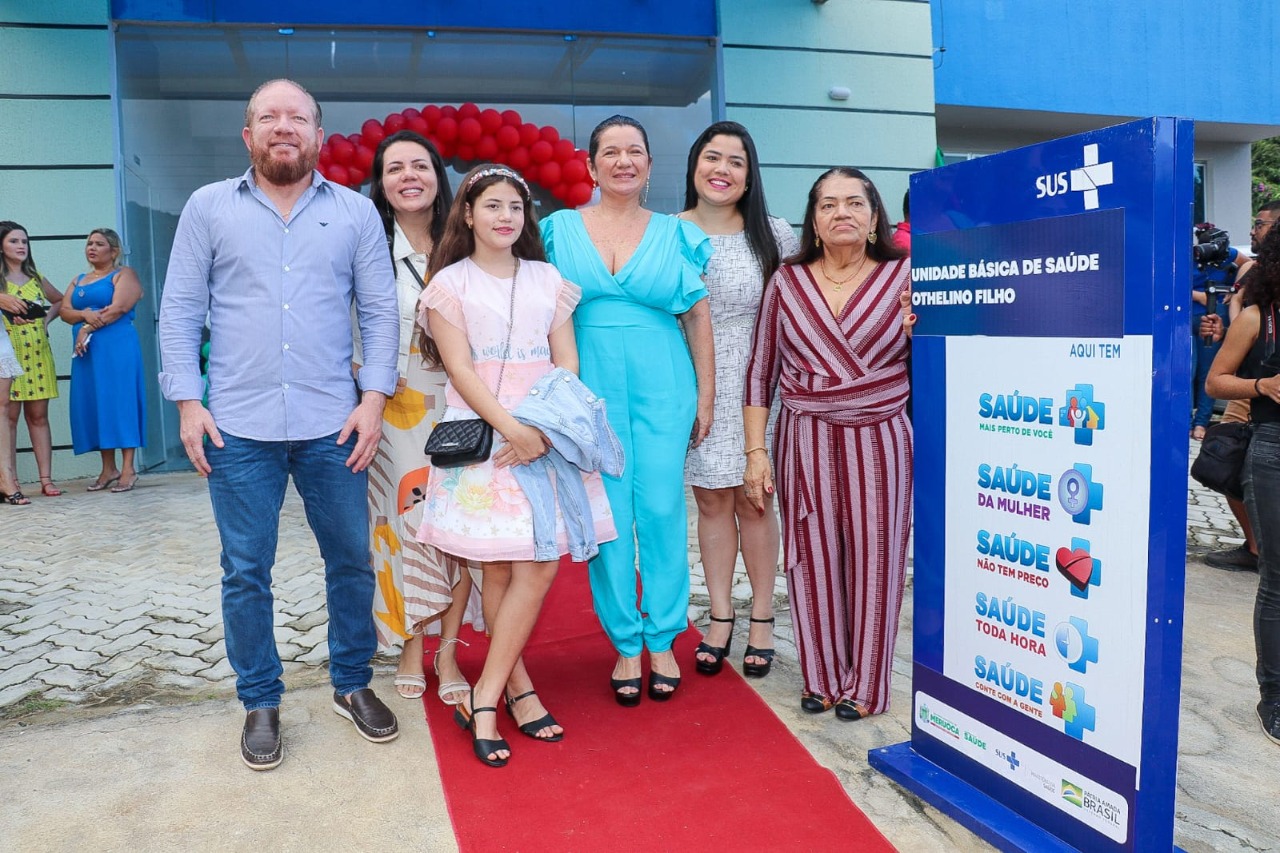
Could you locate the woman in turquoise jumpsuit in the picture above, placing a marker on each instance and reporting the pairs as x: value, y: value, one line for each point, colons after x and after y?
x: 639, y: 271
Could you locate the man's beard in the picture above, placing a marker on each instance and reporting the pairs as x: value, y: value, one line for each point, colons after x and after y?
x: 284, y: 173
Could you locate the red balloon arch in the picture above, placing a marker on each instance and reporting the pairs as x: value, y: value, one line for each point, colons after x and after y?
x: 468, y: 134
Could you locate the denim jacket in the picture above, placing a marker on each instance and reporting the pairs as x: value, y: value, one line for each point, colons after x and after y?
x: 573, y: 420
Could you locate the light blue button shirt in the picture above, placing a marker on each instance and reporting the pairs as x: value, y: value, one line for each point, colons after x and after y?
x: 278, y: 298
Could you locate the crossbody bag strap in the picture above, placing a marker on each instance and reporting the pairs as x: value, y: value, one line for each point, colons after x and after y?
x: 511, y: 321
x: 409, y: 264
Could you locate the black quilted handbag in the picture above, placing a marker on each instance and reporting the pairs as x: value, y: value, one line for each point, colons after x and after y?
x: 454, y: 444
x: 1221, y: 461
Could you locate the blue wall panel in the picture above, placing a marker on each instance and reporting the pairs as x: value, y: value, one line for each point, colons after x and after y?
x: 1208, y: 61
x: 653, y: 17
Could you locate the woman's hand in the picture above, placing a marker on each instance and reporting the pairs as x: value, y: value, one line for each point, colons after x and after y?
x: 1270, y: 387
x: 12, y: 304
x: 757, y: 481
x: 92, y: 318
x: 82, y: 340
x: 524, y: 444
x: 908, y: 317
x: 702, y: 422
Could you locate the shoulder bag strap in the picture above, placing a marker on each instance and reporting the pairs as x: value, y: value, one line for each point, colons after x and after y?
x: 409, y: 265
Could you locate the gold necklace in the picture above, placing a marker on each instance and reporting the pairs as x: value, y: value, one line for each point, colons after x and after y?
x: 822, y: 264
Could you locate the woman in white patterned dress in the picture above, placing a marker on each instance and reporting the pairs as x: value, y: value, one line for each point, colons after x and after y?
x: 725, y: 198
x: 421, y: 590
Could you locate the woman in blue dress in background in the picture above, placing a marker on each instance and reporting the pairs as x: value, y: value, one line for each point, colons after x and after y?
x: 640, y: 277
x: 108, y: 407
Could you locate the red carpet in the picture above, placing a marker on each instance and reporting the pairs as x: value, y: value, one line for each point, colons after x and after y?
x: 712, y: 769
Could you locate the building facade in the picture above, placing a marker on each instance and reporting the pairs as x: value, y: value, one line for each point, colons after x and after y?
x: 118, y: 109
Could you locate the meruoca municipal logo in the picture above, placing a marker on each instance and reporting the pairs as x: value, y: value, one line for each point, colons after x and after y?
x: 1084, y: 179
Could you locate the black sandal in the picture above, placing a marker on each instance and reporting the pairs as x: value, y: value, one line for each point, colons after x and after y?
x: 758, y: 670
x: 532, y: 728
x: 712, y: 667
x: 15, y: 499
x: 812, y: 703
x: 626, y: 700
x: 848, y: 710
x: 479, y: 746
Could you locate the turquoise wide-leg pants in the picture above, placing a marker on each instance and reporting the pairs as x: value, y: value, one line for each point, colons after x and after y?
x: 637, y: 359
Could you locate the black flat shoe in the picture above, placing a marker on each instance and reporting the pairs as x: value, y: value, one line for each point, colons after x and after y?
x: 848, y: 710
x: 757, y: 670
x: 626, y: 700
x: 656, y: 680
x: 532, y: 728
x: 712, y: 667
x: 479, y: 746
x: 812, y: 703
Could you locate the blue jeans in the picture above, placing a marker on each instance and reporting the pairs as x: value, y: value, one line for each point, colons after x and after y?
x: 246, y: 488
x: 1262, y: 499
x: 1202, y: 356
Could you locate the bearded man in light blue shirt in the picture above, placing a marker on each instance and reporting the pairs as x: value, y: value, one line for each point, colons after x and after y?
x: 274, y: 260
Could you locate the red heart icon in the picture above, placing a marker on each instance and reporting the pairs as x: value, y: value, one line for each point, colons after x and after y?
x: 1076, y: 566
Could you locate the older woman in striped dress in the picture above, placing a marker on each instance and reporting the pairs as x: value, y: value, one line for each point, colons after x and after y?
x: 832, y: 337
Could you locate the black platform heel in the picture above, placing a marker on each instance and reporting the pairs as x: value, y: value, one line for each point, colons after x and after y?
x: 479, y: 746
x: 626, y: 700
x: 712, y: 667
x: 656, y: 680
x: 758, y: 670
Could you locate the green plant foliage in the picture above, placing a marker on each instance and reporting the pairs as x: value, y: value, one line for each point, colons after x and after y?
x: 1266, y: 171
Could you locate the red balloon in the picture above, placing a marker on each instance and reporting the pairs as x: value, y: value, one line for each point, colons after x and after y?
x: 490, y: 120
x: 511, y: 118
x: 355, y: 139
x: 540, y: 151
x: 579, y: 194
x: 363, y: 159
x: 394, y: 122
x: 448, y: 111
x: 418, y: 124
x: 575, y: 171
x: 446, y: 150
x: 530, y: 173
x: 529, y: 134
x: 447, y: 129
x: 563, y: 151
x: 469, y: 131
x: 550, y: 174
x: 468, y: 110
x: 561, y: 191
x: 467, y: 153
x: 507, y: 137
x: 372, y: 133
x: 432, y: 114
x: 582, y: 154
x: 410, y: 114
x: 326, y: 156
x: 486, y: 148
x: 337, y: 173
x: 355, y: 176
x: 343, y: 151
x: 550, y: 134
x: 519, y: 158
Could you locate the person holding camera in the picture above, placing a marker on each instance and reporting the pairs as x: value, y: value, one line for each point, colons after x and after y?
x: 1212, y: 284
x: 1248, y: 368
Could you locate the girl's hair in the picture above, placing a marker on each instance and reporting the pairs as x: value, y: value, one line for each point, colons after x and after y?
x: 881, y: 250
x: 444, y: 196
x: 459, y: 241
x: 752, y: 206
x: 1262, y: 285
x: 113, y: 240
x: 593, y: 145
x: 28, y: 264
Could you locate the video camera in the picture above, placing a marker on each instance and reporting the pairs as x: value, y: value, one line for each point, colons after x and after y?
x: 1213, y: 247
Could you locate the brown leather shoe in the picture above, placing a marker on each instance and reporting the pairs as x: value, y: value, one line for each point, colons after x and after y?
x: 260, y: 746
x: 374, y: 720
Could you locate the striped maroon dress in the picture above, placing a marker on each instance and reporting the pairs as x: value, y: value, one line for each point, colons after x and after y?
x: 842, y: 456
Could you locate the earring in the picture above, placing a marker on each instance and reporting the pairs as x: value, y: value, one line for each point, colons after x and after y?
x: 645, y: 198
x: 817, y: 242
x: 872, y: 237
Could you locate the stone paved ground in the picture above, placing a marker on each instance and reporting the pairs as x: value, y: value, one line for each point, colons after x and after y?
x: 113, y: 600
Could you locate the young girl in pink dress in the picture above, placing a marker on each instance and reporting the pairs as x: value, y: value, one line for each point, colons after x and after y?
x: 498, y: 313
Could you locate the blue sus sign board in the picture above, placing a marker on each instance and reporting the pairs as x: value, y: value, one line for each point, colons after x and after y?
x: 1052, y: 399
